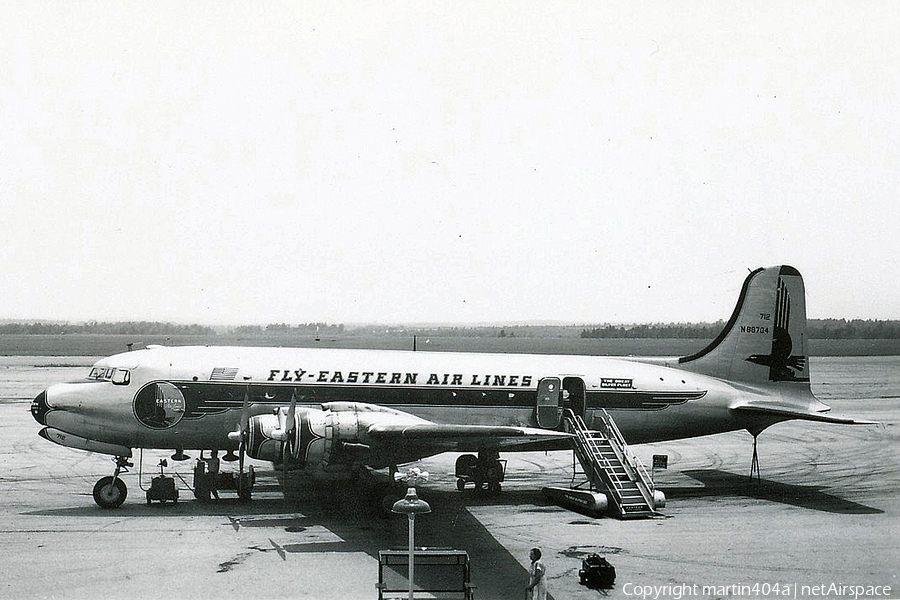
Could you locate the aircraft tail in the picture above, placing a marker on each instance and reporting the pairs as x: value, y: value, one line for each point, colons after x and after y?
x: 764, y: 345
x: 765, y: 339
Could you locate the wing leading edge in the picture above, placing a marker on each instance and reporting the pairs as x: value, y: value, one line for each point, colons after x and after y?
x: 468, y: 436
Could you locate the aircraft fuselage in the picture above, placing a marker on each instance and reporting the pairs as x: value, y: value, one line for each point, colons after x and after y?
x: 191, y: 397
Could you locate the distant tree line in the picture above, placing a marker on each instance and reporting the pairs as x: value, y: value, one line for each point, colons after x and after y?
x: 285, y: 328
x: 469, y: 331
x: 656, y: 331
x: 118, y: 327
x: 817, y: 329
x: 856, y: 329
x: 830, y: 329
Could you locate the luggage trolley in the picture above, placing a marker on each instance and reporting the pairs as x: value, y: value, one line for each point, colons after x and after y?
x: 162, y: 488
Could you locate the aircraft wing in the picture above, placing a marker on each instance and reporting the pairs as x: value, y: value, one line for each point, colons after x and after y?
x: 777, y: 410
x: 465, y: 437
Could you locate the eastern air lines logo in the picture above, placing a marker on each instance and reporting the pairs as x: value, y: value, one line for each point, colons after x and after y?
x: 159, y: 405
x: 783, y: 366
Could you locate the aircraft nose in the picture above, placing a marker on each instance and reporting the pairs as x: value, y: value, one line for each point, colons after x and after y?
x: 40, y: 408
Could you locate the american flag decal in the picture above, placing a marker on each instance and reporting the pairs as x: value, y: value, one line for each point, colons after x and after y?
x: 223, y: 374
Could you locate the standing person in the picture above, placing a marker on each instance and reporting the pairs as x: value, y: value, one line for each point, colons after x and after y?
x: 212, y: 469
x: 537, y: 580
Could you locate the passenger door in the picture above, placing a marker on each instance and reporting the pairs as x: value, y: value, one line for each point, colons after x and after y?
x: 547, y: 409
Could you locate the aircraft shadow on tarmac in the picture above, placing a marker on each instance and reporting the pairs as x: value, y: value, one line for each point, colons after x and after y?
x: 359, y: 525
x: 718, y: 483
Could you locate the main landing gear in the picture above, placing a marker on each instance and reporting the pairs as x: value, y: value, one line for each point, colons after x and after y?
x: 485, y: 471
x: 207, y: 484
x: 110, y: 492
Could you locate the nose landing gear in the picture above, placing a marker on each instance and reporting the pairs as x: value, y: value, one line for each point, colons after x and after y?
x: 110, y: 492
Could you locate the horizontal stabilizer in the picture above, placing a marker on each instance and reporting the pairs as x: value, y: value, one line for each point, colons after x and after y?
x: 789, y: 413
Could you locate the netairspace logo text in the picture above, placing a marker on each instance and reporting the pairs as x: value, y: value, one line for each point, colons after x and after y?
x: 756, y: 590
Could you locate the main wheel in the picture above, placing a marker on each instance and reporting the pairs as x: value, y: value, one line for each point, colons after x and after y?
x: 494, y: 471
x: 202, y: 493
x: 245, y: 486
x: 460, y: 484
x: 110, y: 492
x: 465, y: 465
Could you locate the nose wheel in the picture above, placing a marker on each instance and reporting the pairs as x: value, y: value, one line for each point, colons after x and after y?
x: 110, y: 491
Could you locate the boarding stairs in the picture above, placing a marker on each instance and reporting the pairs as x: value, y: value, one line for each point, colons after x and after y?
x: 610, y: 466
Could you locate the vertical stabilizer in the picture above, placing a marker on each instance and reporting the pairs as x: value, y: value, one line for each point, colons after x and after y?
x: 765, y: 338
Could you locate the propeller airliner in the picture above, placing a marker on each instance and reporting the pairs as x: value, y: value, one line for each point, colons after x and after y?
x: 334, y: 413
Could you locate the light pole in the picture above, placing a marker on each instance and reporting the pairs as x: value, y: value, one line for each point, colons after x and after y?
x: 411, y: 506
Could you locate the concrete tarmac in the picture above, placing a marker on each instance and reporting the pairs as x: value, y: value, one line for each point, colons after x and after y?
x: 826, y: 511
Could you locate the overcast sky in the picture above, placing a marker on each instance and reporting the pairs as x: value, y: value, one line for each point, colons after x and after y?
x: 225, y: 162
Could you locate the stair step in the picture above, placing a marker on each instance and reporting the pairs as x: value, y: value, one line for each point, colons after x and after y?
x: 599, y: 458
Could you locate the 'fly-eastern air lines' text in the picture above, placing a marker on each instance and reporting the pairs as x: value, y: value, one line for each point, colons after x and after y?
x: 395, y: 378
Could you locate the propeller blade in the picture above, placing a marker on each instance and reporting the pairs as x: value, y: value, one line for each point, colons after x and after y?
x: 292, y: 409
x: 285, y: 455
x: 287, y: 446
x: 291, y: 422
x: 243, y: 424
x: 245, y: 413
x: 241, y: 450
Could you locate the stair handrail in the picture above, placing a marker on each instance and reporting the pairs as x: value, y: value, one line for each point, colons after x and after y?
x: 582, y: 436
x: 632, y: 459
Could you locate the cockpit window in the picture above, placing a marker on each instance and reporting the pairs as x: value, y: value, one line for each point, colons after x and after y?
x: 117, y: 376
x: 121, y: 377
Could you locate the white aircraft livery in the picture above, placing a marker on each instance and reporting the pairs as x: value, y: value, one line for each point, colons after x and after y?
x: 330, y: 413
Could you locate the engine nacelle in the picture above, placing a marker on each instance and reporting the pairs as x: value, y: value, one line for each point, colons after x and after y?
x: 316, y: 437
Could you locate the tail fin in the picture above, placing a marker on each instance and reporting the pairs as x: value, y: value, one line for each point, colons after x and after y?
x: 765, y: 338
